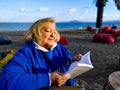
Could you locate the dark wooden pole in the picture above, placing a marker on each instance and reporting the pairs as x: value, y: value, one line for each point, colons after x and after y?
x: 100, y: 8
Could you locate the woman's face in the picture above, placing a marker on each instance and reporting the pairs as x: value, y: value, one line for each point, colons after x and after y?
x: 48, y: 35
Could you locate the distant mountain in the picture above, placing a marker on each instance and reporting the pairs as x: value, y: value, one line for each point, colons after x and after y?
x: 104, y: 22
x: 76, y: 21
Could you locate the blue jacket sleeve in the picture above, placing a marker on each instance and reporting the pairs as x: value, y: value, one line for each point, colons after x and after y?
x: 17, y: 75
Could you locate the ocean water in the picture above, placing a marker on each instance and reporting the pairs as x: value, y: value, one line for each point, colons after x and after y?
x: 60, y: 25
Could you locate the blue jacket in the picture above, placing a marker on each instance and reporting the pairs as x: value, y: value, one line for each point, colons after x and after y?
x: 29, y: 68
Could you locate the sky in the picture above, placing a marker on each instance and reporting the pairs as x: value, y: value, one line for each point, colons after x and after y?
x: 61, y: 10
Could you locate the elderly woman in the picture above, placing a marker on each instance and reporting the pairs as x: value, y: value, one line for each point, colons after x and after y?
x: 40, y: 63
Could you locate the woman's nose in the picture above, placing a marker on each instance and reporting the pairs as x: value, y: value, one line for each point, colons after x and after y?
x: 52, y: 34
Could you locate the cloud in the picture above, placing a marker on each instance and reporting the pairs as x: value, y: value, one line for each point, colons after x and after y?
x: 105, y: 15
x: 117, y: 15
x: 72, y: 10
x: 44, y: 9
x: 24, y: 9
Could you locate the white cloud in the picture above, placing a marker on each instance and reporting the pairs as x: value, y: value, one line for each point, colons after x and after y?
x: 24, y: 9
x: 105, y: 15
x: 72, y: 10
x: 117, y: 15
x: 44, y: 9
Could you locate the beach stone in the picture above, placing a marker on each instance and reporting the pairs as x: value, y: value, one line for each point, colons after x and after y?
x: 5, y: 40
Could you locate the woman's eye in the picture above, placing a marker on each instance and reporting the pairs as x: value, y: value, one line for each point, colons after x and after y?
x: 47, y: 30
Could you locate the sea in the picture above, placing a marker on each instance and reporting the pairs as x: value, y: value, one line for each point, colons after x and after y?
x: 14, y: 26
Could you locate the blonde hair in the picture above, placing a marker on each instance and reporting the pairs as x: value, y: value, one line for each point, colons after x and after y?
x: 34, y: 31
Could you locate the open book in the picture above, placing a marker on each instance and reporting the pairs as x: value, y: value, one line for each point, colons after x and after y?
x: 78, y: 67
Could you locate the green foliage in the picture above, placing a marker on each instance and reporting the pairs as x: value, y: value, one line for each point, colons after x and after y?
x: 117, y: 2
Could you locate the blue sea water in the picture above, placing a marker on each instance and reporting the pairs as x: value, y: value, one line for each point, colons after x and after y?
x: 61, y: 25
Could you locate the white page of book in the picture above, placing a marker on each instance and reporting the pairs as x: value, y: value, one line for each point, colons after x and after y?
x: 78, y: 67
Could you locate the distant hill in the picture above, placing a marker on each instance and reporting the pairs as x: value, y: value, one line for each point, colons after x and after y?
x: 73, y: 21
x: 76, y: 21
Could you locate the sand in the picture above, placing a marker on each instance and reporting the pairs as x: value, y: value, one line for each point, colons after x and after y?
x: 104, y: 57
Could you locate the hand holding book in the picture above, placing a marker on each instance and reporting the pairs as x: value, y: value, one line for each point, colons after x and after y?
x: 78, y: 67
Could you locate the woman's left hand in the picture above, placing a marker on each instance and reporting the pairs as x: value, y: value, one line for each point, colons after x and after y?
x: 77, y: 57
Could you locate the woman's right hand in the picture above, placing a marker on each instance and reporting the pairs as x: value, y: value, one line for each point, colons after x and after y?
x: 77, y: 57
x: 57, y: 79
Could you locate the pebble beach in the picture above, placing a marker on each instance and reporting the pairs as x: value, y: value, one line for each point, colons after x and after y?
x: 105, y: 57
